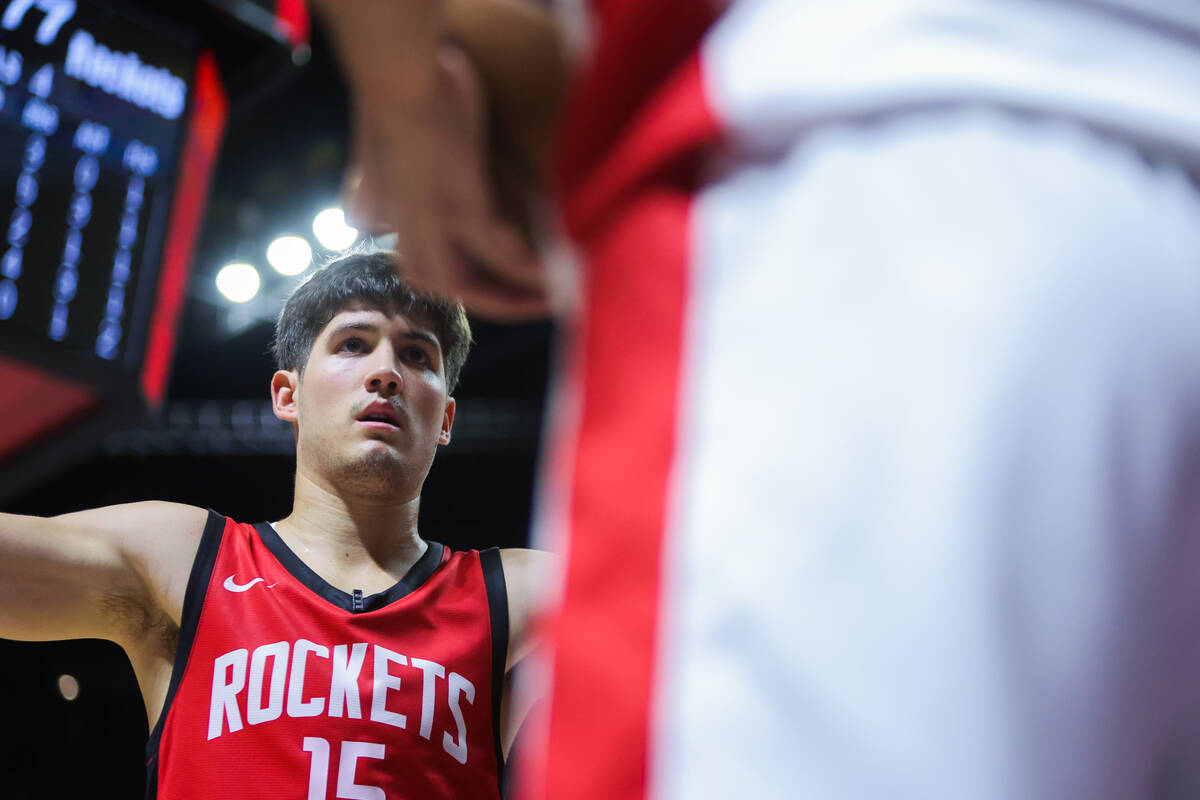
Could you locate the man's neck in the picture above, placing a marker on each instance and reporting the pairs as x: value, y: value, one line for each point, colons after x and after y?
x: 352, y: 542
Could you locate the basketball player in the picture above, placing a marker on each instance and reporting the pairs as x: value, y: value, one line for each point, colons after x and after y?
x: 877, y: 449
x: 335, y: 652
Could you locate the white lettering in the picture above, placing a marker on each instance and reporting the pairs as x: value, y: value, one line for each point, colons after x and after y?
x: 223, y: 704
x: 14, y: 13
x: 347, y: 789
x: 127, y: 236
x: 79, y: 210
x: 35, y: 153
x: 92, y: 137
x: 10, y: 265
x: 277, y: 679
x: 256, y: 711
x: 18, y: 226
x: 10, y: 66
x: 344, y: 686
x: 65, y: 284
x: 296, y: 706
x: 27, y: 189
x: 87, y: 172
x: 318, y: 771
x: 431, y: 671
x: 135, y: 193
x: 121, y: 264
x: 41, y: 83
x: 458, y: 748
x: 79, y: 51
x: 8, y: 298
x: 113, y: 308
x: 57, y: 12
x: 40, y: 116
x: 383, y: 682
x: 58, y: 323
x: 71, y: 246
x: 141, y: 158
x: 125, y: 76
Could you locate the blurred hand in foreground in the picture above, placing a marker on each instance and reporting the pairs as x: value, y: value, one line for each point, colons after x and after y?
x: 424, y: 173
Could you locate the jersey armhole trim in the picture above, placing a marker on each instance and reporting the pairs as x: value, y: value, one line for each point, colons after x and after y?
x: 497, y: 596
x: 193, y: 606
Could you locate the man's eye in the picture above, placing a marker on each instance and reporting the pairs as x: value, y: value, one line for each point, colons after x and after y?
x: 416, y: 355
x: 352, y: 345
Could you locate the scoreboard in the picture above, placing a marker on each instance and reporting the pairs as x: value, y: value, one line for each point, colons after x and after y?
x: 91, y: 125
x: 111, y: 114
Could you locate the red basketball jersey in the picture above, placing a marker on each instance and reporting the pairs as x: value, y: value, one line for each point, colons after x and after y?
x: 286, y: 687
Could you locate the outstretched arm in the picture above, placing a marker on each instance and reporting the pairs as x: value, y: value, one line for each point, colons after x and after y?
x: 453, y: 102
x: 97, y: 573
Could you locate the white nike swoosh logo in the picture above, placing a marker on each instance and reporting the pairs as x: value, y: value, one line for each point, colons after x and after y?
x: 241, y: 587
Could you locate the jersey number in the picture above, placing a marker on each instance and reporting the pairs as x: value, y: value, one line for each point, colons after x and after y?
x: 351, y: 752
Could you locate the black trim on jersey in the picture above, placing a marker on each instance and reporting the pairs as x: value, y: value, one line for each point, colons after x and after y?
x: 426, y: 565
x: 497, y: 595
x: 193, y: 605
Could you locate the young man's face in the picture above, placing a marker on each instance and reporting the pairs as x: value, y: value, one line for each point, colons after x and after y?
x: 371, y: 406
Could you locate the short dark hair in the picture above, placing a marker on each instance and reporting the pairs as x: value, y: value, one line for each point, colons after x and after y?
x: 371, y: 279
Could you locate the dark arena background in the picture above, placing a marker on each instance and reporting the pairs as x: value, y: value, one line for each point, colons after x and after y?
x: 144, y: 148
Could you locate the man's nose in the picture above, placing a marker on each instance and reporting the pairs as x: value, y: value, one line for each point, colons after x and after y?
x: 384, y: 379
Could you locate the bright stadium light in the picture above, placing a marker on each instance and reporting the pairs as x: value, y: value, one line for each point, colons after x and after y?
x: 289, y: 255
x: 332, y: 231
x: 68, y: 686
x: 238, y: 282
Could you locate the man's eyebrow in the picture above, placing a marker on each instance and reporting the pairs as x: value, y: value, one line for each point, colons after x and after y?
x: 424, y: 336
x: 352, y: 326
x: 371, y: 327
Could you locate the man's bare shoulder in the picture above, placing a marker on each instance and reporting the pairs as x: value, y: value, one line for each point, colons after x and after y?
x: 156, y: 539
x: 529, y: 568
x: 153, y: 517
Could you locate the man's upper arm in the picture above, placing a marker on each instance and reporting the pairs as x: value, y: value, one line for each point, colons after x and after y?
x: 79, y: 575
x: 531, y: 577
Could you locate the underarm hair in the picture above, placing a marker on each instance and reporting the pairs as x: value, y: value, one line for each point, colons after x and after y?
x: 138, y: 617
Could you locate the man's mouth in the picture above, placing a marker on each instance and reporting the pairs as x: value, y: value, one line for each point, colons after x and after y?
x: 380, y: 414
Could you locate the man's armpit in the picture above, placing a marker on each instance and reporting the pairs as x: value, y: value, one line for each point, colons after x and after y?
x: 138, y: 620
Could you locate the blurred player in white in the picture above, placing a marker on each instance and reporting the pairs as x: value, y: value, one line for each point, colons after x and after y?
x: 877, y: 458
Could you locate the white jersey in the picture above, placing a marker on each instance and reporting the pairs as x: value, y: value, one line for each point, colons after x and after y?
x: 777, y: 67
x: 881, y: 466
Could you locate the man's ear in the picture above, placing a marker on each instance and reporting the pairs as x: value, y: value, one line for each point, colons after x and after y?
x: 447, y: 421
x: 285, y: 385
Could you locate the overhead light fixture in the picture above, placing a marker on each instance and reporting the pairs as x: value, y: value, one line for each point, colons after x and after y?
x: 68, y: 686
x: 289, y: 255
x: 238, y: 282
x: 331, y: 230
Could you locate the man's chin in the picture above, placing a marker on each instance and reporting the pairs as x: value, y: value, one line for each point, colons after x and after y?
x: 377, y: 468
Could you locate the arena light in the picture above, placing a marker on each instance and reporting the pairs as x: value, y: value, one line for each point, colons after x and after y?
x: 289, y: 255
x: 238, y: 282
x: 331, y: 230
x: 68, y: 687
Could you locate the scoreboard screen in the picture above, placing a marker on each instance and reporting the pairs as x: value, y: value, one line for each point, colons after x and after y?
x: 93, y: 115
x: 111, y: 117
